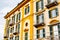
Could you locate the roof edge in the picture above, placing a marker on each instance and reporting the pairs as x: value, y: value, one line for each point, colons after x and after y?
x: 16, y: 8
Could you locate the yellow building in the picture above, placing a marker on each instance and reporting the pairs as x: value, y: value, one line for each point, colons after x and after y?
x: 33, y: 20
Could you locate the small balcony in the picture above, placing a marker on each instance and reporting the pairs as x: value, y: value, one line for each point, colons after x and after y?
x: 15, y: 33
x: 26, y: 29
x: 40, y: 12
x: 55, y: 3
x: 11, y: 35
x: 39, y: 24
x: 5, y: 37
x: 11, y: 23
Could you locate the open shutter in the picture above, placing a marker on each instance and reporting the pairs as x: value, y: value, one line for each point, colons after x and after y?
x: 37, y: 32
x: 28, y: 9
x: 56, y: 12
x: 49, y: 14
x: 43, y: 32
x: 36, y: 6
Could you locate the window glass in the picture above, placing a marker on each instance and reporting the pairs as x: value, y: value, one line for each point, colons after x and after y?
x: 41, y: 33
x: 53, y: 13
x: 41, y: 19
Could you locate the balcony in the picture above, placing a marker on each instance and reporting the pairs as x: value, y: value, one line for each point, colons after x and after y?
x: 5, y: 37
x: 26, y: 29
x: 39, y: 24
x: 15, y: 33
x: 55, y: 3
x: 40, y: 12
x: 11, y: 23
x: 11, y: 35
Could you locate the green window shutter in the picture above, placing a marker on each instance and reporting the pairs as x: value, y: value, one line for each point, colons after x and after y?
x: 42, y: 4
x: 19, y: 16
x: 14, y: 18
x: 51, y: 29
x: 26, y: 36
x: 49, y: 14
x: 18, y: 28
x: 28, y: 9
x: 37, y: 18
x: 43, y: 17
x: 56, y: 12
x: 36, y: 6
x: 37, y: 32
x: 25, y: 11
x: 43, y: 32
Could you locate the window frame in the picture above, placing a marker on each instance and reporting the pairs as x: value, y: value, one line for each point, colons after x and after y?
x: 50, y: 14
x: 38, y: 33
x: 38, y: 18
x: 37, y: 5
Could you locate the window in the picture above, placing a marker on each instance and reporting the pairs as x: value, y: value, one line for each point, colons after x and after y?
x: 40, y: 18
x: 8, y: 31
x: 41, y: 33
x: 26, y: 36
x: 27, y: 9
x: 12, y: 30
x: 39, y: 5
x: 17, y: 38
x: 50, y: 1
x: 18, y: 17
x: 53, y: 13
x: 55, y: 32
x: 11, y: 38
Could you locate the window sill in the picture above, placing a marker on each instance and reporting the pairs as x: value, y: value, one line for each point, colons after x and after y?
x: 40, y: 24
x: 40, y: 12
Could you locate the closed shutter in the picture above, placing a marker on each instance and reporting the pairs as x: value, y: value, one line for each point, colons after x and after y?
x: 36, y: 6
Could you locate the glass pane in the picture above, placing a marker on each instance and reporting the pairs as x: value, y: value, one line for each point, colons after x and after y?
x: 41, y: 33
x: 53, y: 13
x: 39, y: 5
x: 41, y: 18
x: 26, y: 36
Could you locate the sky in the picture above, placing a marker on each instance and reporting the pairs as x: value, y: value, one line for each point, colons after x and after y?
x: 5, y: 7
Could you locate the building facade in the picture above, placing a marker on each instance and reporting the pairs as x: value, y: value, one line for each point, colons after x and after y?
x: 33, y: 20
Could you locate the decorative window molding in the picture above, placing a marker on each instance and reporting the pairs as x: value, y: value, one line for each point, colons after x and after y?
x: 28, y: 4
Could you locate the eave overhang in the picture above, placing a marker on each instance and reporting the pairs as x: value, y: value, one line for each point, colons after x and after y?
x: 16, y: 8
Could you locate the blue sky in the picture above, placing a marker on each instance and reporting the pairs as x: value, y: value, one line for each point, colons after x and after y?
x: 5, y: 6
